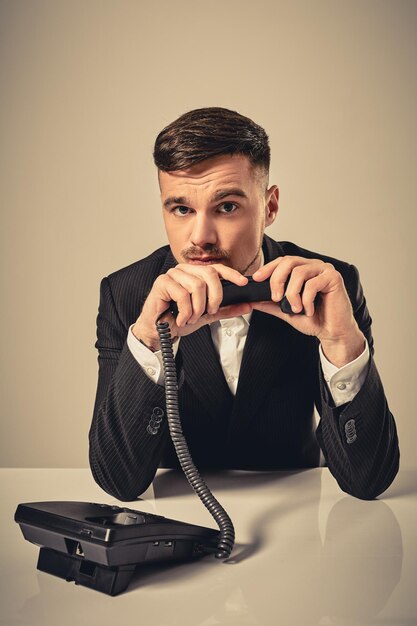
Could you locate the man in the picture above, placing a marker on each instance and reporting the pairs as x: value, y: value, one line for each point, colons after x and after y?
x: 249, y: 375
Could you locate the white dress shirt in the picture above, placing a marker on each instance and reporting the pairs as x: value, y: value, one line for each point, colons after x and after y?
x: 229, y: 338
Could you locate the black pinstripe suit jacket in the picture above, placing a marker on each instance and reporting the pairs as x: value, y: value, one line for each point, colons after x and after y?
x: 268, y: 424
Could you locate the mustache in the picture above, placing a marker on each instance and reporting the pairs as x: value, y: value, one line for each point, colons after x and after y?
x: 194, y: 252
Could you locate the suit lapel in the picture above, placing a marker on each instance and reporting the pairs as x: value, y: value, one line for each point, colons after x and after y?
x: 169, y: 262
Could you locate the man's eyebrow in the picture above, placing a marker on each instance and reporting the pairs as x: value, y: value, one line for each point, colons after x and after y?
x: 174, y: 200
x: 224, y: 193
x: 218, y: 195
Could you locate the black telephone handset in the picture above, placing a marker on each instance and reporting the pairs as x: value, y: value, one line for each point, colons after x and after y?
x: 253, y: 291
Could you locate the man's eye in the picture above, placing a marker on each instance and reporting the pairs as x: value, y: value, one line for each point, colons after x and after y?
x: 180, y: 210
x: 228, y: 207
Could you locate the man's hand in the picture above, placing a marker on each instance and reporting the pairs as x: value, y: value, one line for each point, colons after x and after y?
x: 194, y: 288
x: 331, y: 320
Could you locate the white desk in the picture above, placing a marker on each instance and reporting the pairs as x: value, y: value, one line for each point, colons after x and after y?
x: 305, y: 553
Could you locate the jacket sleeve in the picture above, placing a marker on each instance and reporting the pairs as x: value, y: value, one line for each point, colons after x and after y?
x: 129, y: 427
x: 359, y: 439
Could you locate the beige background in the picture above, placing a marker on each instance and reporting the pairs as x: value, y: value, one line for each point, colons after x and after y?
x: 85, y: 88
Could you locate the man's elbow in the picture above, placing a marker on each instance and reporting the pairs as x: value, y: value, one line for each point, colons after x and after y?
x: 120, y: 487
x: 370, y: 489
x: 124, y: 492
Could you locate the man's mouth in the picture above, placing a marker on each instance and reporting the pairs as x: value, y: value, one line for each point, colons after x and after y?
x: 203, y: 260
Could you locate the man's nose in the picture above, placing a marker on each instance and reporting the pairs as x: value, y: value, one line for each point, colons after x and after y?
x: 203, y: 231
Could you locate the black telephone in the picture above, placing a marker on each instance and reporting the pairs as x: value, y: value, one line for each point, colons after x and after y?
x: 99, y: 546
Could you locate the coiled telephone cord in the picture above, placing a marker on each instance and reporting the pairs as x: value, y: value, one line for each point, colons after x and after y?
x: 225, y: 524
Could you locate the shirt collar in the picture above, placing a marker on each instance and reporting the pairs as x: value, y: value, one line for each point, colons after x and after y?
x: 247, y: 317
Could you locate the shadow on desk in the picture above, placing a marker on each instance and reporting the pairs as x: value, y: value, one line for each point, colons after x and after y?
x: 353, y: 570
x: 173, y: 483
x: 348, y: 578
x: 284, y: 495
x: 361, y: 559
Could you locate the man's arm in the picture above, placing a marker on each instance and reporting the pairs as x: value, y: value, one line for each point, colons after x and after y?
x: 125, y: 450
x: 359, y: 439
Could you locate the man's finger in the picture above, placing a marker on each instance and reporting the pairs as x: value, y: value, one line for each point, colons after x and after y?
x: 267, y: 270
x: 224, y: 271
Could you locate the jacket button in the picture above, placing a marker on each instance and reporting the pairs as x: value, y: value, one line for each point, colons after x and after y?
x: 350, y: 430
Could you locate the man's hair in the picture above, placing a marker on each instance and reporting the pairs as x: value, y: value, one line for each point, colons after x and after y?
x: 204, y: 133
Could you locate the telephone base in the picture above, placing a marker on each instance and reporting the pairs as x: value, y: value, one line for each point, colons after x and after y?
x: 109, y: 580
x: 100, y: 545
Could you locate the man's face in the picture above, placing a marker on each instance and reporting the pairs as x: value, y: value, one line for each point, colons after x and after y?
x: 216, y: 212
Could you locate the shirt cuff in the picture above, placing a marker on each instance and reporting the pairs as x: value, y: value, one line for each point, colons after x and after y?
x: 345, y: 382
x: 150, y: 362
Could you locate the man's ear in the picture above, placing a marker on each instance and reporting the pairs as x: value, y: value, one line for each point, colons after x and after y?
x: 271, y: 204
